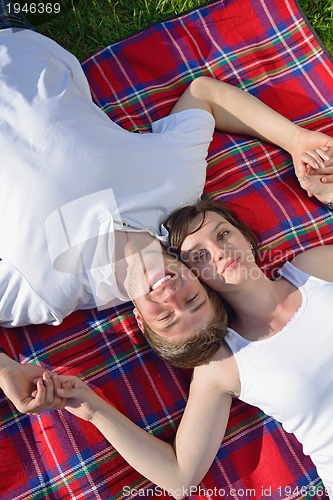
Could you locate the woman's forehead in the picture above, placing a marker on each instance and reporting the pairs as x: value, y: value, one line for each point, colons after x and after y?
x: 203, y: 219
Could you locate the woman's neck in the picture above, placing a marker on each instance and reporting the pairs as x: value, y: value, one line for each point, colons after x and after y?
x: 263, y: 307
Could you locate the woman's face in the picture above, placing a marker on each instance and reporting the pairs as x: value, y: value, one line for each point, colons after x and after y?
x: 218, y: 253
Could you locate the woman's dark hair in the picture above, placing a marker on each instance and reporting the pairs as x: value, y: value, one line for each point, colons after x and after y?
x: 179, y: 221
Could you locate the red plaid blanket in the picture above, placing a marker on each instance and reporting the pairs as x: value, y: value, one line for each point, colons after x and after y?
x: 267, y: 48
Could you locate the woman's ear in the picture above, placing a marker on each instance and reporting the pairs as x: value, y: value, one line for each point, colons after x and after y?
x: 138, y: 318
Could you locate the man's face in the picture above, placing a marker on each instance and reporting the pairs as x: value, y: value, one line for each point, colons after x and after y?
x: 167, y: 295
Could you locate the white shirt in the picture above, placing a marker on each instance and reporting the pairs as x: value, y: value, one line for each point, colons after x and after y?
x: 290, y: 375
x: 70, y: 176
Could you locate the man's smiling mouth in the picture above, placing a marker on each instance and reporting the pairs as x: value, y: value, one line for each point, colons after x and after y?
x: 161, y: 281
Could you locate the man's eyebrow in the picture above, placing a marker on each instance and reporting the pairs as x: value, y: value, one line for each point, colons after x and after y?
x: 192, y: 309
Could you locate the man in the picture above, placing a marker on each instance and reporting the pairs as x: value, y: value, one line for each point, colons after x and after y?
x: 74, y: 185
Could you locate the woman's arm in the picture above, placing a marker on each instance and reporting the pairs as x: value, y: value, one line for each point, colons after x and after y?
x: 237, y: 111
x: 174, y: 468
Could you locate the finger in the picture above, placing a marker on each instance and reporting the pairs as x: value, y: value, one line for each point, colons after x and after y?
x: 305, y: 183
x: 325, y: 171
x: 313, y: 159
x: 35, y: 381
x: 321, y: 152
x: 66, y: 392
x: 301, y: 170
x: 328, y: 169
x: 329, y: 163
x: 327, y: 179
x: 56, y: 381
x: 49, y: 394
x: 302, y: 174
x: 317, y: 158
x: 59, y: 403
x: 39, y: 399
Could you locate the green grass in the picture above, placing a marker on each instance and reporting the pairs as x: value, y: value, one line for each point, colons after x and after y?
x: 84, y: 26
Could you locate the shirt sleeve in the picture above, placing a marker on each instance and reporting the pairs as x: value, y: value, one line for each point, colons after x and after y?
x: 19, y: 304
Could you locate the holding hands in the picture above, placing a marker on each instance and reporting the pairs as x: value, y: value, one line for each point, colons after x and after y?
x: 317, y: 177
x: 67, y: 392
x: 31, y: 388
x: 314, y: 169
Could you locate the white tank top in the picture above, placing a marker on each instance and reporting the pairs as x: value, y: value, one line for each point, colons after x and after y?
x: 290, y: 375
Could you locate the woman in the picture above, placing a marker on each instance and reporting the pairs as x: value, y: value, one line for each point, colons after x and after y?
x: 274, y: 354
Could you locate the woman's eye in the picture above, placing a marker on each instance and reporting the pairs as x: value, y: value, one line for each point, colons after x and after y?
x: 193, y: 299
x: 222, y: 235
x: 198, y: 256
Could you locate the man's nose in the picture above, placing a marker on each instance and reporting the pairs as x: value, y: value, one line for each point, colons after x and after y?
x: 170, y: 295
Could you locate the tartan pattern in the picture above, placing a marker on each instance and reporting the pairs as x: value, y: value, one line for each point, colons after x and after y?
x: 268, y: 49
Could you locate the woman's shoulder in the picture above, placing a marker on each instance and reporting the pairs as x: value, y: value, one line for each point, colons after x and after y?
x: 219, y: 373
x: 317, y: 262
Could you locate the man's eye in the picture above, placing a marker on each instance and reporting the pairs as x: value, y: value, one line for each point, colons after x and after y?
x: 193, y: 299
x: 164, y: 318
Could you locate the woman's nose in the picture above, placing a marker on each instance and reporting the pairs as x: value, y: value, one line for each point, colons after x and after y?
x: 218, y: 252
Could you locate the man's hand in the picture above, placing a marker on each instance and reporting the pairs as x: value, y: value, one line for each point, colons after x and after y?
x: 325, y: 166
x: 31, y: 388
x: 325, y: 174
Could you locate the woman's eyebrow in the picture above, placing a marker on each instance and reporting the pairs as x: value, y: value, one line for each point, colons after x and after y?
x: 200, y: 244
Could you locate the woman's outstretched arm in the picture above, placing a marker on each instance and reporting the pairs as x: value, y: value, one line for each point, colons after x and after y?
x: 173, y: 467
x: 237, y: 111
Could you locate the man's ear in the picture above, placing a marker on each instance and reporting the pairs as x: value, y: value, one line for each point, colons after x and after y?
x: 138, y: 318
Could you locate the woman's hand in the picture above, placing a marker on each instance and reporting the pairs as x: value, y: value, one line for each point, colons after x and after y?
x: 314, y: 186
x: 79, y: 399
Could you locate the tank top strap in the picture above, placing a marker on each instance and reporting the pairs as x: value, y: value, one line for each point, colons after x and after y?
x: 235, y: 341
x: 294, y: 275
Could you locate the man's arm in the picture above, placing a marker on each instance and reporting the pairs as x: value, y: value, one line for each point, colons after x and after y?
x: 237, y: 111
x: 18, y: 381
